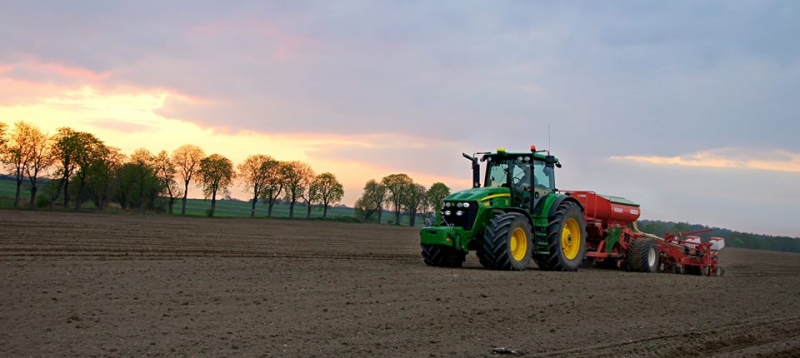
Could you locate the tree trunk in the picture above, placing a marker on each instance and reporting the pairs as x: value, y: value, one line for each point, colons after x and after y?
x: 397, y: 216
x: 141, y: 194
x: 185, y: 193
x: 308, y: 214
x: 171, y: 204
x: 291, y: 209
x: 380, y: 215
x: 54, y: 197
x: 66, y: 192
x: 412, y: 219
x: 324, y: 210
x: 80, y: 196
x: 213, y: 201
x: 253, y: 207
x: 34, y: 190
x: 269, y: 210
x: 19, y: 194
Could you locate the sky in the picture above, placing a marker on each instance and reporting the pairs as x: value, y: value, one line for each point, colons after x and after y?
x: 688, y: 108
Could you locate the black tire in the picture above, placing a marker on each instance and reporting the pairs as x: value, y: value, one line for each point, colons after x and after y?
x: 643, y: 255
x: 567, y: 222
x: 677, y: 268
x: 442, y: 256
x: 507, y: 243
x: 540, y: 261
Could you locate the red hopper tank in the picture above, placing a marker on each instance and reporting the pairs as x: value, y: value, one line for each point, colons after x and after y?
x: 605, y: 208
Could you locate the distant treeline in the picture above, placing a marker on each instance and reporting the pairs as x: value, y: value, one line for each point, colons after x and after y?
x: 732, y: 238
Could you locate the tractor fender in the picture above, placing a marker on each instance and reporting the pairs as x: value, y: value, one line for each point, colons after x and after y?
x: 560, y: 200
x: 520, y: 211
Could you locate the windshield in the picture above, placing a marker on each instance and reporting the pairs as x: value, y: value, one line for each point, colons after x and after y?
x: 503, y: 172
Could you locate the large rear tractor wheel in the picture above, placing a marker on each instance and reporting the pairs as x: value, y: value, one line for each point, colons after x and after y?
x: 507, y: 243
x: 566, y: 239
x: 442, y: 256
x: 643, y: 255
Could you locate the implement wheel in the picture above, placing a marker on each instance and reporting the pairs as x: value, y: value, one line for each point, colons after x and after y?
x: 643, y: 255
x: 566, y: 239
x: 507, y: 243
x: 442, y: 256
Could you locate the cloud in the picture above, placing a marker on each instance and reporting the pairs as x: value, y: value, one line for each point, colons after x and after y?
x: 662, y: 71
x: 774, y: 160
x: 381, y: 87
x: 120, y: 126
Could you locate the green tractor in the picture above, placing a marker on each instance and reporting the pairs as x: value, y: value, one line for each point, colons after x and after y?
x: 516, y: 216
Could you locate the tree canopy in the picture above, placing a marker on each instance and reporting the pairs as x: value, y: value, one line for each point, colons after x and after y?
x: 214, y: 176
x: 186, y: 159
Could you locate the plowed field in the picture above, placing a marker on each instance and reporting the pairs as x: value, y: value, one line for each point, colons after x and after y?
x: 136, y: 285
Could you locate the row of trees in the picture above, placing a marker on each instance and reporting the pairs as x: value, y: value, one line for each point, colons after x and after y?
x: 400, y: 195
x: 83, y: 168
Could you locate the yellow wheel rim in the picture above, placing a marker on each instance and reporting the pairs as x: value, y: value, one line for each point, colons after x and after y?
x: 571, y: 239
x: 519, y: 244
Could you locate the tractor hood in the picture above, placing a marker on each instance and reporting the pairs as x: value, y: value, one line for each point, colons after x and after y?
x: 476, y: 194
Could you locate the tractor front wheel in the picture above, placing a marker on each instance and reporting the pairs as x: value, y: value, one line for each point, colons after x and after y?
x: 507, y: 243
x: 442, y: 256
x: 566, y: 239
x: 643, y: 255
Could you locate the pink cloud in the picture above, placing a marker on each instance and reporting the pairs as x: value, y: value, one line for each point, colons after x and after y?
x: 31, y: 65
x: 69, y: 71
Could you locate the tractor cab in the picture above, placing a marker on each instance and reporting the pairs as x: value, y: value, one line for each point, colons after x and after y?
x: 529, y: 176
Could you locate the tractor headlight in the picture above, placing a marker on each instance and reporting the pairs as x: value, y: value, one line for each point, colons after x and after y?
x: 447, y: 204
x: 458, y: 205
x: 459, y: 213
x: 447, y: 212
x: 466, y: 205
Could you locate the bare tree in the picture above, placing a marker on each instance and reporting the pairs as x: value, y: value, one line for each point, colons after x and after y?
x: 215, y: 175
x: 187, y: 162
x: 65, y: 147
x: 101, y: 176
x: 41, y: 158
x: 255, y: 173
x: 18, y: 152
x: 397, y: 185
x: 3, y: 139
x: 371, y: 201
x: 274, y: 185
x: 91, y: 150
x: 414, y: 201
x: 165, y: 172
x: 297, y: 177
x: 145, y: 163
x: 3, y: 127
x: 435, y: 196
x: 326, y: 189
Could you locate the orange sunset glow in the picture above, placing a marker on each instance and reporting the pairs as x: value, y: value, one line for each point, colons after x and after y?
x: 672, y: 108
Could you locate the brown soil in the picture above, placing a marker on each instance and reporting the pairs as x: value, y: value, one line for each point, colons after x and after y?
x: 135, y: 285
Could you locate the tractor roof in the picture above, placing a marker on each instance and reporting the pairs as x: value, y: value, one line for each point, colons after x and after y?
x: 501, y: 152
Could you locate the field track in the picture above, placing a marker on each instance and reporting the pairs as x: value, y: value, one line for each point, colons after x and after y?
x: 137, y: 285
